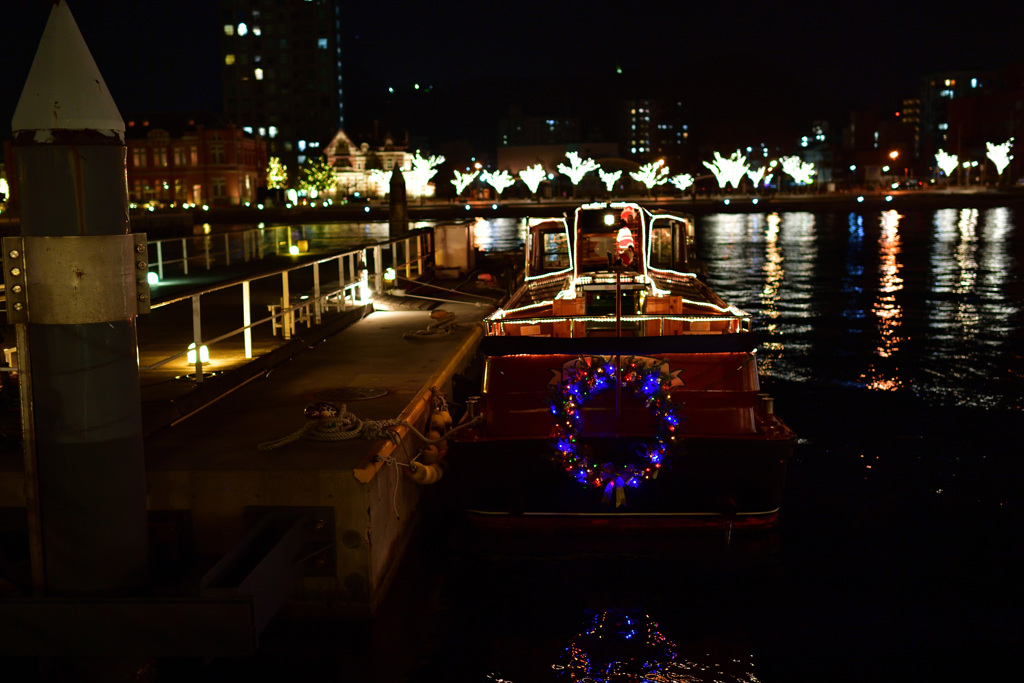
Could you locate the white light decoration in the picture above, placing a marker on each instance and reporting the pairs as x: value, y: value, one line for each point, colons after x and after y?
x: 947, y: 162
x: 423, y: 169
x: 577, y: 167
x: 462, y: 181
x: 382, y: 179
x: 756, y: 174
x: 654, y: 173
x: 532, y: 176
x: 682, y: 181
x: 798, y: 168
x: 1000, y: 154
x: 729, y: 170
x: 609, y: 178
x: 499, y: 180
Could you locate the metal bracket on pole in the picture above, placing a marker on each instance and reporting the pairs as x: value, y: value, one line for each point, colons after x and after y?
x: 14, y: 280
x: 76, y: 279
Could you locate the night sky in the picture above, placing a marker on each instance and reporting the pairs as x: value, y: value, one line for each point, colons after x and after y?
x: 760, y: 66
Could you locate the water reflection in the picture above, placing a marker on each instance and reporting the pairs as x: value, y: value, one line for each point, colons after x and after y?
x: 628, y: 645
x: 887, y: 311
x: 499, y: 234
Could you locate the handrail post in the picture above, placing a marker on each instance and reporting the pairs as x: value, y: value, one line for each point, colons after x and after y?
x: 206, y: 248
x: 246, y: 319
x: 160, y: 259
x: 419, y: 255
x: 316, y: 293
x: 407, y: 253
x: 227, y: 249
x: 287, y: 321
x: 184, y: 254
x: 341, y: 275
x: 378, y: 263
x: 197, y: 336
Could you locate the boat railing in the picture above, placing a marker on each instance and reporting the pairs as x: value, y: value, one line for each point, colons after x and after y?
x: 656, y: 325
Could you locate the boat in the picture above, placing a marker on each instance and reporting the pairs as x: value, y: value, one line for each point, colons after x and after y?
x: 616, y: 388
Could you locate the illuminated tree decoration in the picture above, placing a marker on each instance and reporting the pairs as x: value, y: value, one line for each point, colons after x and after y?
x: 532, y: 176
x: 728, y: 171
x: 462, y: 181
x: 316, y: 175
x: 382, y: 179
x: 946, y: 162
x: 756, y: 174
x: 1000, y: 154
x: 277, y: 174
x: 577, y: 168
x: 421, y: 171
x: 609, y: 178
x: 798, y: 168
x: 652, y: 174
x: 682, y: 181
x: 499, y: 180
x: 589, y: 375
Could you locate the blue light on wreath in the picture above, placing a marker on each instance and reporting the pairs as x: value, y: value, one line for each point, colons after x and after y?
x: 589, y: 376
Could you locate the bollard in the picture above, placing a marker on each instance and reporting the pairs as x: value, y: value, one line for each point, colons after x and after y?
x: 82, y: 294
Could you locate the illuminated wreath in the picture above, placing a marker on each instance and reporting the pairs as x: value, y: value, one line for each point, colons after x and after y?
x: 651, y: 380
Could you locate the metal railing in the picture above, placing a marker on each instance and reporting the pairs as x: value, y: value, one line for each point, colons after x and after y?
x: 296, y: 294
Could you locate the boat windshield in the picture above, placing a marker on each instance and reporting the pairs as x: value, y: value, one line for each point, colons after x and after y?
x: 608, y: 237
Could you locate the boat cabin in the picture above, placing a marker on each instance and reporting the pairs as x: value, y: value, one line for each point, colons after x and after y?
x: 615, y: 270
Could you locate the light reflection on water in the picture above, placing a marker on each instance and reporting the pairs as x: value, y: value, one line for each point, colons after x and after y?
x: 927, y: 302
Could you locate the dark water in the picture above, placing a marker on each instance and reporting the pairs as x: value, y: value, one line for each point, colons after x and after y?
x: 894, y: 346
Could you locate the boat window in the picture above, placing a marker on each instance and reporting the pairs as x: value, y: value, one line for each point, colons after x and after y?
x: 595, y: 248
x: 669, y: 241
x: 554, y: 250
x: 661, y: 246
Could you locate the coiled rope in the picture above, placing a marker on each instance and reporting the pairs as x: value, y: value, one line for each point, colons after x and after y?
x: 326, y: 422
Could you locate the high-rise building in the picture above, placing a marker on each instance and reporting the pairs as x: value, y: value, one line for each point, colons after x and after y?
x: 654, y: 129
x: 281, y: 65
x: 937, y: 91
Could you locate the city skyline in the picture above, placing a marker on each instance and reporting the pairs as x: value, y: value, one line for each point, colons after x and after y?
x: 758, y: 66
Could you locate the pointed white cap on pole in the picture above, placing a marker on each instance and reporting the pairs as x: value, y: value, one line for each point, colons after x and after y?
x: 64, y: 89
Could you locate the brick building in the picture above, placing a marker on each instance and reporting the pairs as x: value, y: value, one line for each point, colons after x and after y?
x: 176, y: 159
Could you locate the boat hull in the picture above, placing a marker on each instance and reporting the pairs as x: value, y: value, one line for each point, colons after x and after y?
x: 705, y: 482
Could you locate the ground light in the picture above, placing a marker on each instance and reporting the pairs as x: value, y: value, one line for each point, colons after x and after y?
x: 153, y: 278
x: 204, y: 354
x: 293, y: 250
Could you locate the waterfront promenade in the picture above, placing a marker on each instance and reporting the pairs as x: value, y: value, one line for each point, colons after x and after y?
x: 209, y: 479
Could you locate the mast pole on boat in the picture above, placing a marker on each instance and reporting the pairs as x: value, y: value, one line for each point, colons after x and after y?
x: 618, y: 334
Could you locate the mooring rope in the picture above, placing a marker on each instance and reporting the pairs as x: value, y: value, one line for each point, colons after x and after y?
x: 344, y: 426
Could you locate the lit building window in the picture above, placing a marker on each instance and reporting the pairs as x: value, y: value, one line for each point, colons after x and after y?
x: 273, y: 131
x: 229, y: 59
x: 302, y: 158
x: 321, y: 43
x: 247, y: 129
x: 243, y: 29
x: 229, y: 30
x: 946, y: 93
x: 302, y: 145
x: 943, y: 126
x: 259, y: 74
x: 256, y: 31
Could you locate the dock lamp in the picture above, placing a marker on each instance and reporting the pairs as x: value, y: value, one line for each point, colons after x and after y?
x: 204, y: 354
x: 389, y: 275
